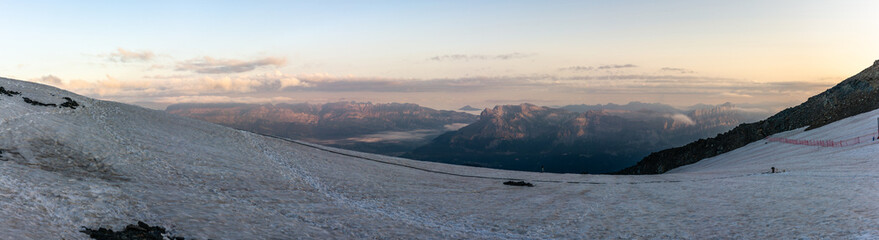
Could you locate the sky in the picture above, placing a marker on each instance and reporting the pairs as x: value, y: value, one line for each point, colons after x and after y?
x: 440, y: 54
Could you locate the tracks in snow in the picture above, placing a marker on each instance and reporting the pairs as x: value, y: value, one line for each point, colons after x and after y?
x: 489, y: 177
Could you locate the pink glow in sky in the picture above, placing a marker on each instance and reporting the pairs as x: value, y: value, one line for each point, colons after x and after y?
x: 443, y: 54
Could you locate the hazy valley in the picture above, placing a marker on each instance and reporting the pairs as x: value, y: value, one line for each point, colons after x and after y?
x: 391, y: 129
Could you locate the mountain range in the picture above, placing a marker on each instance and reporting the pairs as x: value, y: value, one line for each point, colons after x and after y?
x: 389, y: 128
x: 576, y: 138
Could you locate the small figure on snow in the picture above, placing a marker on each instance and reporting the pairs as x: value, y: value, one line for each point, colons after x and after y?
x: 773, y: 170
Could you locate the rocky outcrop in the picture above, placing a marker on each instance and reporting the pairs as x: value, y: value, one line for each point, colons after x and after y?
x: 141, y: 231
x: 68, y: 102
x: 855, y: 95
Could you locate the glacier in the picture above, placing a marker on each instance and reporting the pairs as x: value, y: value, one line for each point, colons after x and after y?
x: 108, y: 164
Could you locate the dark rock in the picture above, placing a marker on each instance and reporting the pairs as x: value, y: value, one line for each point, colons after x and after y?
x: 519, y: 183
x: 855, y: 95
x: 141, y: 231
x: 36, y: 103
x: 69, y: 103
x: 7, y: 92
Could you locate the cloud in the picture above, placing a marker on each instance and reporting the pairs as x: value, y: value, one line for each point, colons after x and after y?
x: 636, y: 84
x: 177, y: 85
x: 681, y: 118
x: 414, y: 135
x: 736, y: 95
x: 602, y: 67
x: 677, y: 84
x: 254, y: 83
x: 156, y: 67
x: 753, y: 109
x: 48, y: 79
x: 616, y: 66
x: 577, y: 68
x: 678, y: 70
x: 469, y: 57
x: 107, y: 86
x: 122, y: 55
x: 222, y: 99
x: 277, y: 82
x: 215, y: 66
x: 188, y: 87
x: 329, y: 83
x: 454, y: 126
x: 177, y: 76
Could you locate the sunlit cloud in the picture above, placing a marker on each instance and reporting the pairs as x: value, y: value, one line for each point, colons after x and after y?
x: 107, y: 86
x: 736, y: 95
x: 471, y: 57
x: 215, y: 66
x: 48, y: 79
x: 616, y: 66
x: 122, y: 55
x: 174, y: 76
x: 577, y: 68
x: 171, y: 85
x: 681, y: 118
x: 454, y: 126
x: 602, y: 67
x: 222, y: 99
x: 156, y: 67
x: 677, y: 70
x: 329, y: 83
x: 419, y: 134
x: 273, y: 86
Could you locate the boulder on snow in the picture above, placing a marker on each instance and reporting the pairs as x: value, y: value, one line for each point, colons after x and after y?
x: 141, y: 231
x: 519, y: 183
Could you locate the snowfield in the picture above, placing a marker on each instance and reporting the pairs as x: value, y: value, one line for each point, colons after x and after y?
x: 108, y: 164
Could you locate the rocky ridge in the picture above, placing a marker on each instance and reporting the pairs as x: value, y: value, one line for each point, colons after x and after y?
x: 855, y: 95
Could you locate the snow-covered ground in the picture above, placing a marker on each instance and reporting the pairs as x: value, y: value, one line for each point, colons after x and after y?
x: 109, y: 164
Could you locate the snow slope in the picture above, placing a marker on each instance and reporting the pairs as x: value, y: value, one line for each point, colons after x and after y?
x: 108, y: 164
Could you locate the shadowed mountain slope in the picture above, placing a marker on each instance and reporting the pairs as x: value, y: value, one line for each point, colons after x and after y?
x: 598, y: 140
x: 855, y: 95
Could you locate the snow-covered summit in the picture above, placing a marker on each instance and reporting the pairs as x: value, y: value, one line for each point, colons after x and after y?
x: 106, y: 164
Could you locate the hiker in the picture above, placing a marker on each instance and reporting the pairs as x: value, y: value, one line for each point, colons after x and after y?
x: 773, y: 170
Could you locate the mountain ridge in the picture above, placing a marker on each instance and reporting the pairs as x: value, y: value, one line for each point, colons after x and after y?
x: 367, y: 127
x: 533, y: 138
x: 852, y: 96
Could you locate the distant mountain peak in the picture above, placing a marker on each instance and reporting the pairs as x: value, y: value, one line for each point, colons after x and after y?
x: 468, y: 108
x: 502, y: 110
